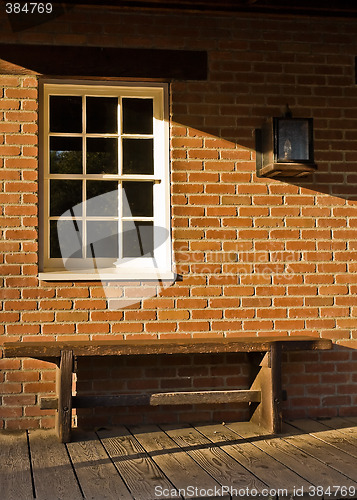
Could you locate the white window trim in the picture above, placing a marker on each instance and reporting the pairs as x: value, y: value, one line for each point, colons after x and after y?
x: 158, y: 268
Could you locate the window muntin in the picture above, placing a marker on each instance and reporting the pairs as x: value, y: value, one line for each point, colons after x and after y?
x: 105, y: 177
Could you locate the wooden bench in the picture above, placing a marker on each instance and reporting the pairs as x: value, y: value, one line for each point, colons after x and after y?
x: 264, y: 394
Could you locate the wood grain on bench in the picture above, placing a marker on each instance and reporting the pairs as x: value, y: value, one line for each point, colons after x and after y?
x: 162, y: 346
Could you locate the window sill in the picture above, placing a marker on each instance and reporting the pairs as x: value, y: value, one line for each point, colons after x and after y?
x: 106, y: 275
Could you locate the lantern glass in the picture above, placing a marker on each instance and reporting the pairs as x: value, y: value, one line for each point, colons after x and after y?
x: 292, y: 137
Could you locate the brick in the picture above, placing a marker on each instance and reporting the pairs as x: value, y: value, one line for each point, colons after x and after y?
x: 307, y: 312
x: 10, y: 364
x: 73, y: 292
x: 319, y: 301
x: 55, y: 304
x: 236, y: 200
x: 22, y: 376
x: 333, y: 290
x: 193, y: 326
x: 206, y: 291
x: 21, y: 234
x: 36, y: 387
x: 90, y: 304
x: 258, y: 325
x: 21, y: 163
x: 23, y: 424
x: 10, y: 150
x: 10, y: 412
x: 10, y: 104
x: 70, y: 316
x: 11, y: 388
x: 23, y: 93
x: 173, y: 315
x: 140, y: 315
x: 37, y: 316
x: 57, y: 329
x: 24, y: 305
x: 272, y: 313
x: 192, y: 303
x: 19, y: 400
x: 10, y: 81
x: 128, y: 328
x: 22, y: 329
x: 267, y: 200
x: 9, y: 294
x: 206, y: 314
x: 9, y: 317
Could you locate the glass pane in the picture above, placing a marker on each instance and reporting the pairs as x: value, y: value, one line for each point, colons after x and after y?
x: 65, y: 113
x: 102, y: 115
x: 102, y: 239
x: 138, y: 156
x: 55, y: 251
x: 138, y: 239
x: 66, y: 239
x: 137, y: 116
x: 64, y: 195
x: 65, y: 155
x: 293, y: 140
x: 138, y: 199
x: 102, y: 156
x: 102, y: 198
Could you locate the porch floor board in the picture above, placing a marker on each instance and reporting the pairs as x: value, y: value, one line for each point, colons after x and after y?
x: 311, y: 459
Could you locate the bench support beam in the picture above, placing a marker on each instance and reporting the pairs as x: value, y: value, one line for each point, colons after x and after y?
x: 156, y: 399
x: 64, y: 391
x: 268, y: 414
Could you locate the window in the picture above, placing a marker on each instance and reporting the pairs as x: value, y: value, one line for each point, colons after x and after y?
x: 105, y: 182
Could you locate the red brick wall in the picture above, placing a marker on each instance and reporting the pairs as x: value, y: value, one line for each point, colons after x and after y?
x: 257, y: 256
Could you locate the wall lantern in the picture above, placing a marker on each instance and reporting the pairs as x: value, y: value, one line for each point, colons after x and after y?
x: 285, y: 148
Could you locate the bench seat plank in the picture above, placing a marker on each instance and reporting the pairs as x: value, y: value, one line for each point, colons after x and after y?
x: 162, y: 346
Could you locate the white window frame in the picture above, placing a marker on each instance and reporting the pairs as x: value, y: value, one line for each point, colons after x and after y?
x: 158, y: 267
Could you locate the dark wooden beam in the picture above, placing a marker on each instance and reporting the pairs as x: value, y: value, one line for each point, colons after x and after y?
x: 205, y: 397
x: 64, y: 381
x: 106, y: 62
x: 51, y: 403
x: 161, y: 346
x: 164, y: 398
x: 277, y: 391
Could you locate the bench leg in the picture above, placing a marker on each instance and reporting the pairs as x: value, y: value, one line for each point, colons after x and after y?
x: 268, y: 380
x: 277, y: 391
x: 64, y: 391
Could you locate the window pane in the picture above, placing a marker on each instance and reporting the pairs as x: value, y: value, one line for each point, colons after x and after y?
x: 102, y: 239
x: 64, y: 195
x: 102, y: 198
x: 137, y: 116
x: 65, y: 113
x: 102, y: 115
x: 69, y: 233
x: 102, y: 156
x: 138, y: 156
x: 137, y: 199
x: 137, y: 238
x: 65, y: 155
x: 293, y: 140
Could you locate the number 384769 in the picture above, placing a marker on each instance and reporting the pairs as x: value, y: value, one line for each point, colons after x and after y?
x: 28, y: 8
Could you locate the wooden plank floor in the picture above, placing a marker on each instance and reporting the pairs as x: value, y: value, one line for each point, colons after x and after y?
x: 312, y: 459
